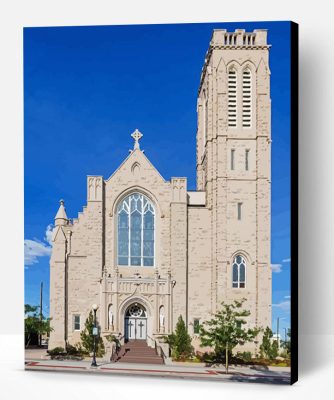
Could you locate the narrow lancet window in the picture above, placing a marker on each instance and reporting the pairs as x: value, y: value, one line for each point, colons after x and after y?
x: 232, y: 159
x: 239, y: 211
x: 247, y: 160
x: 239, y: 272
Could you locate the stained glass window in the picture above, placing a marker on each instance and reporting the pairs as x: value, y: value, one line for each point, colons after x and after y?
x: 136, y: 219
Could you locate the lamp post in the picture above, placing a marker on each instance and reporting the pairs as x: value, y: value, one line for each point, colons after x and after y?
x: 94, y: 307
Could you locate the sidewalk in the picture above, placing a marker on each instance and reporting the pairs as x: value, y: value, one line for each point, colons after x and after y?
x: 36, y: 360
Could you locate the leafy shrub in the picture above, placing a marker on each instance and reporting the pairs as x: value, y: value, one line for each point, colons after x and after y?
x: 268, y: 348
x: 87, y: 338
x: 244, y: 357
x: 81, y: 351
x: 57, y: 351
x: 180, y: 342
x: 208, y: 357
x: 72, y: 350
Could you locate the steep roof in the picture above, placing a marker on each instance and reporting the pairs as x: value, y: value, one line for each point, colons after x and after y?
x: 61, y: 213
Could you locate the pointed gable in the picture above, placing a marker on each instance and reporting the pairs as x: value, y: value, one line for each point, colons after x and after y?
x: 136, y: 167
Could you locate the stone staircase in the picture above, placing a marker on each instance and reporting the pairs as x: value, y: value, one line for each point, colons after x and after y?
x: 137, y: 351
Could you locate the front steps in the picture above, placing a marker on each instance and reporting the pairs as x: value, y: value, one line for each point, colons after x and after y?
x: 137, y: 351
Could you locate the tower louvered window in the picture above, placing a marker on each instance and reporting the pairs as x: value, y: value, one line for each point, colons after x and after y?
x: 232, y: 98
x: 246, y: 98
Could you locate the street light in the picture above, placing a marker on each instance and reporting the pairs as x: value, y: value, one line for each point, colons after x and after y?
x: 94, y: 307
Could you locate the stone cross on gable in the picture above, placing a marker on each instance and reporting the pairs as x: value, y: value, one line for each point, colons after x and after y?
x: 136, y: 136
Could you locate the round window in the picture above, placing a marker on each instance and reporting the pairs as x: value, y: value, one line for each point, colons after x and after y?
x: 136, y: 311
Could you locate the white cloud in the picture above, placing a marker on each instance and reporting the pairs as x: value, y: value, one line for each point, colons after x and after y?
x: 33, y: 249
x: 287, y: 297
x: 286, y: 260
x: 284, y: 305
x: 48, y: 234
x: 277, y: 268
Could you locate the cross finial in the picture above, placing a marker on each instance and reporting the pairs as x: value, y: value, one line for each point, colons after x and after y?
x: 136, y: 136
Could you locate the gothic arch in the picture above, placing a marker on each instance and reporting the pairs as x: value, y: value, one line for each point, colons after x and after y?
x: 239, y: 271
x: 248, y: 64
x: 135, y: 231
x: 135, y: 169
x: 244, y: 254
x: 158, y: 215
x: 134, y: 299
x: 232, y: 64
x: 138, y: 189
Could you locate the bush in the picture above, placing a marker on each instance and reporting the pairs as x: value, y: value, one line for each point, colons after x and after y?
x: 81, y: 351
x: 72, y: 350
x: 70, y: 353
x: 208, y: 357
x: 87, y: 338
x: 268, y: 348
x: 244, y: 357
x: 180, y: 342
x: 57, y: 351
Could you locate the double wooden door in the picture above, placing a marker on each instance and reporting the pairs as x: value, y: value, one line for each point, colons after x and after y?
x: 135, y: 328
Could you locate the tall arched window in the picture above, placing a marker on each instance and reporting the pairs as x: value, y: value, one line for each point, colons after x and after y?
x: 135, y: 242
x: 232, y: 98
x: 246, y: 98
x: 239, y: 272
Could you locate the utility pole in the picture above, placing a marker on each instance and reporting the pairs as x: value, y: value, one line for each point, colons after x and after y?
x: 41, y: 312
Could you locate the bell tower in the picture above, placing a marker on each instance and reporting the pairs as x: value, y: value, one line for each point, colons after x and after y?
x: 233, y: 165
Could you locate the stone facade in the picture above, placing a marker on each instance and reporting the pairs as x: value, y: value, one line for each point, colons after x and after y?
x: 198, y: 236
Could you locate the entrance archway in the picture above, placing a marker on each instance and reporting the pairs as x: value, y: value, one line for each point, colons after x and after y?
x: 135, y: 322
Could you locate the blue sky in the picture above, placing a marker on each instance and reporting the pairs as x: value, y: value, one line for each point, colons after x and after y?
x: 85, y: 91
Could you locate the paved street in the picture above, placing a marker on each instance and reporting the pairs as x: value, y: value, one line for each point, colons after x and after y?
x: 37, y: 360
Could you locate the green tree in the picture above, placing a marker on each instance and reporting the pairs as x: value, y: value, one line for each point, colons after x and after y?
x: 268, y: 347
x: 226, y: 330
x: 274, y: 349
x: 34, y: 325
x: 180, y: 341
x: 87, y: 337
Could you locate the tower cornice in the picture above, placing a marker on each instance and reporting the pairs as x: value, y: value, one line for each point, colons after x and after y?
x: 238, y: 40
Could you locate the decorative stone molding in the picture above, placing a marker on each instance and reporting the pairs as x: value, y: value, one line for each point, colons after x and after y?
x: 179, y: 187
x: 94, y: 188
x: 135, y: 169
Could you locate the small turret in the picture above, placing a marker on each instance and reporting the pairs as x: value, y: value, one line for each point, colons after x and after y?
x: 61, y: 217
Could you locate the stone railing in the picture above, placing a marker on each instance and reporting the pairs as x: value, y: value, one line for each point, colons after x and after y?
x: 162, y: 350
x: 150, y: 341
x: 239, y: 38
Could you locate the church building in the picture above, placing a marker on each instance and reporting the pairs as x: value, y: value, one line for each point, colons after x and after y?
x: 146, y: 250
